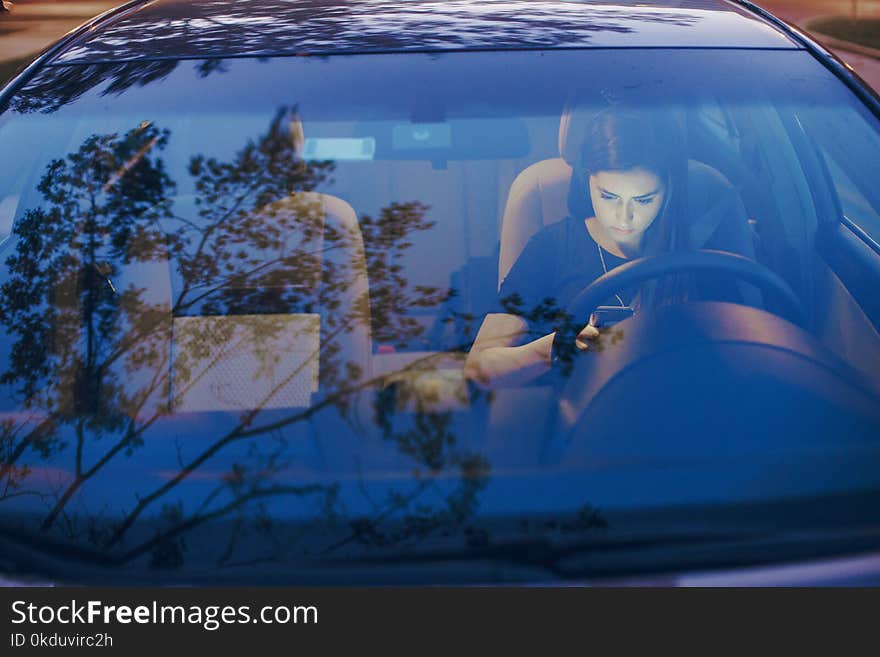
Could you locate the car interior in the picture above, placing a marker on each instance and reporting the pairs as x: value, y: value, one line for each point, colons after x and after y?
x: 733, y: 210
x: 449, y: 166
x: 350, y: 305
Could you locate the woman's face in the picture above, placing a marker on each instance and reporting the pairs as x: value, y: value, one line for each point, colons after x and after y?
x: 626, y: 203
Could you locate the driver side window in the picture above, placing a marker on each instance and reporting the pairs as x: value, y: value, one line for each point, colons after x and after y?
x: 853, y: 203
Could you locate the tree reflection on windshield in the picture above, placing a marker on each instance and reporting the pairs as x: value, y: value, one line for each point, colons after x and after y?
x: 97, y: 359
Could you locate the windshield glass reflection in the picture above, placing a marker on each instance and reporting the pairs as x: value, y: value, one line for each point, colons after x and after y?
x: 236, y: 336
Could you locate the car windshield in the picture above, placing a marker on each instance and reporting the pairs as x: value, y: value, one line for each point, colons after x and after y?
x: 239, y: 298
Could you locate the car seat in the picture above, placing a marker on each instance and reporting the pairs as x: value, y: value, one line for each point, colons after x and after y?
x: 283, y: 316
x: 314, y: 328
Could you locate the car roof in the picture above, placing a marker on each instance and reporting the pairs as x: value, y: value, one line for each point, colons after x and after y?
x: 219, y: 28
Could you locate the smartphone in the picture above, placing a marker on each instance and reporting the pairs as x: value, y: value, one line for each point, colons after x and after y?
x: 610, y: 315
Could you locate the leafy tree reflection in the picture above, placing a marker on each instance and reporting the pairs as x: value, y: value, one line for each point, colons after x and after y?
x: 121, y: 289
x: 266, y: 27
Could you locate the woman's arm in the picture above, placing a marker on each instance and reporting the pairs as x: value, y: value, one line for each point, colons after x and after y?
x: 493, y: 362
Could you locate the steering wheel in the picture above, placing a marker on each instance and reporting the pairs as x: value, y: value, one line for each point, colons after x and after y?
x: 705, y: 260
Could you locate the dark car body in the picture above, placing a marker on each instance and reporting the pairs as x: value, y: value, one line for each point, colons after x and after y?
x: 247, y: 246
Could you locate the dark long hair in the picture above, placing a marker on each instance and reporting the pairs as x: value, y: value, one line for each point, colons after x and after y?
x: 622, y: 139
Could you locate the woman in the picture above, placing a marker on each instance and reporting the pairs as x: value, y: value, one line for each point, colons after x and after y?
x: 625, y: 202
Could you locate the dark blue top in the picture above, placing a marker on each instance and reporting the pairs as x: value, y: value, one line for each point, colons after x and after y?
x: 555, y: 265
